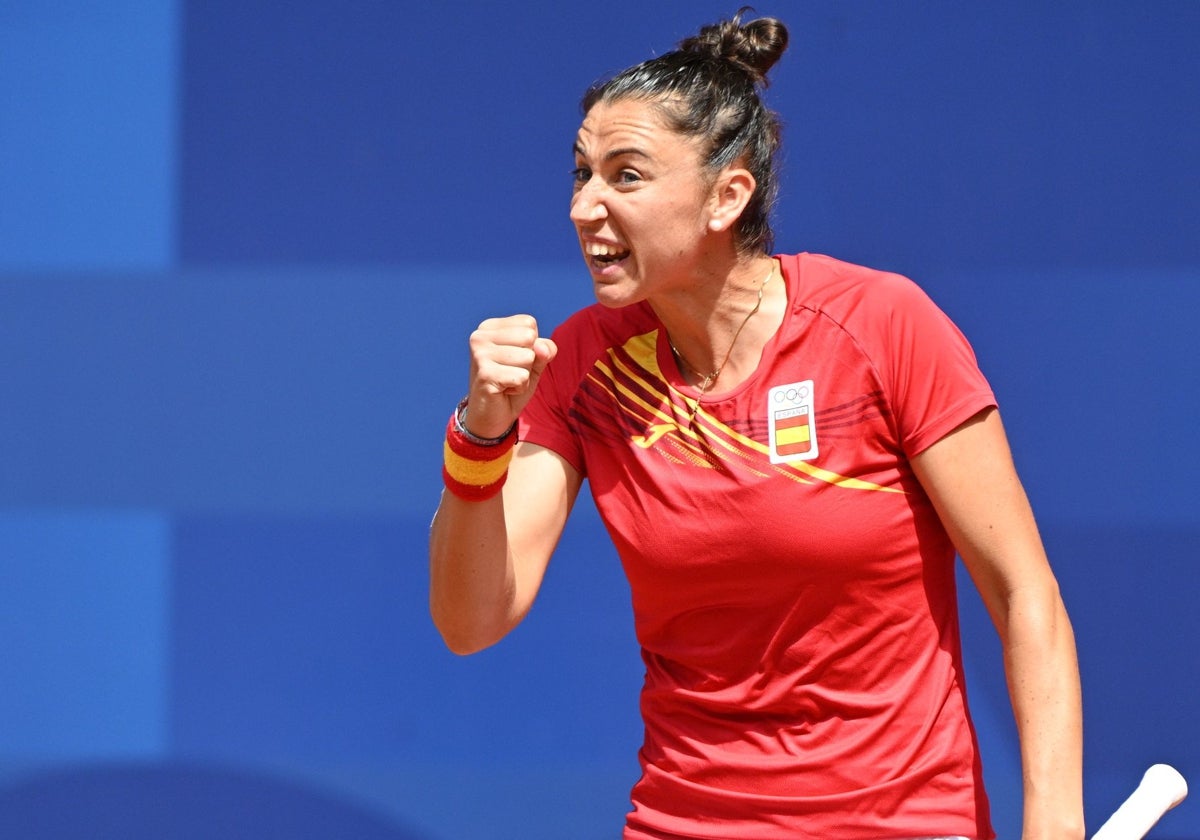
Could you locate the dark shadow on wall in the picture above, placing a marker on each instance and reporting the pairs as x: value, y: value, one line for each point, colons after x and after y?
x: 171, y: 801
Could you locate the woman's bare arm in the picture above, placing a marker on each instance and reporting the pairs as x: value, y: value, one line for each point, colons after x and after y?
x: 970, y: 477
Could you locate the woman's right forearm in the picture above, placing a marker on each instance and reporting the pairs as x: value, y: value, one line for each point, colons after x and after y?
x: 480, y: 587
x: 472, y: 585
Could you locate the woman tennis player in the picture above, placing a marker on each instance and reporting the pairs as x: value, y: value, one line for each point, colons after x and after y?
x: 787, y: 451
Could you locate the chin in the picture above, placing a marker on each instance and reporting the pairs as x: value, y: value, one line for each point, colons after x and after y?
x: 615, y: 304
x: 613, y: 296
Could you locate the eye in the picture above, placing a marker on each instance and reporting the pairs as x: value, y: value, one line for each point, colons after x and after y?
x: 580, y: 175
x: 628, y: 176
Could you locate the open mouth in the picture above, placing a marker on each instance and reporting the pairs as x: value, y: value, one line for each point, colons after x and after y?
x: 602, y: 254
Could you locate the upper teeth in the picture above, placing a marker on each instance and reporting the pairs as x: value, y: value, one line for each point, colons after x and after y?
x: 599, y: 249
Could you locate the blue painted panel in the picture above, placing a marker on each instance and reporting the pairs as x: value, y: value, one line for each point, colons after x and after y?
x: 928, y: 134
x: 83, y: 615
x: 287, y: 391
x: 153, y: 801
x: 87, y: 134
x: 943, y: 135
x: 305, y: 644
x: 1096, y: 375
x: 309, y: 640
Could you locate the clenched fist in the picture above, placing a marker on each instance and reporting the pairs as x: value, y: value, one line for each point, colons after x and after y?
x: 507, y: 359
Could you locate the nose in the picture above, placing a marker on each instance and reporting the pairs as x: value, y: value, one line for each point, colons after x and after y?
x: 587, y: 203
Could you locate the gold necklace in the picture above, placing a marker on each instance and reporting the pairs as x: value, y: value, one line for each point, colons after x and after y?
x: 710, y: 378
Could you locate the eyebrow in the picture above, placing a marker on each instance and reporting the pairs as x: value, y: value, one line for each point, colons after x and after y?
x: 614, y: 153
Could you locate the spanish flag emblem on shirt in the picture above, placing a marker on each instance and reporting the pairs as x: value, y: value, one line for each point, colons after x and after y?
x: 793, y: 432
x: 790, y: 412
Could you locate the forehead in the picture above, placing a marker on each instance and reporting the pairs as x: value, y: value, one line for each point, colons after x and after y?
x: 629, y: 124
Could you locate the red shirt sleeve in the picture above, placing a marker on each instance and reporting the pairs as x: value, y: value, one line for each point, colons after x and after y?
x: 930, y: 374
x: 545, y: 420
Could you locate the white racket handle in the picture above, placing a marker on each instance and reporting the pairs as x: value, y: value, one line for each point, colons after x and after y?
x: 1161, y: 789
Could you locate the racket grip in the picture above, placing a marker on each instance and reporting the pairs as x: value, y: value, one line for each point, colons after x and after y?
x: 1161, y: 789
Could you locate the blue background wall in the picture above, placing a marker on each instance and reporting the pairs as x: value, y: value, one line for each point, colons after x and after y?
x: 241, y: 247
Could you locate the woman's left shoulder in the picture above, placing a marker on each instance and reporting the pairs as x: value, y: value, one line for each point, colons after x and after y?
x: 841, y: 287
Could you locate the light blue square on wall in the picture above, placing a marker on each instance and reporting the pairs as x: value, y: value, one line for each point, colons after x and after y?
x: 84, y: 601
x: 88, y: 134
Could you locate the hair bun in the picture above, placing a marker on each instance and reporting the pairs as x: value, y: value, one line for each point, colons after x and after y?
x: 754, y: 46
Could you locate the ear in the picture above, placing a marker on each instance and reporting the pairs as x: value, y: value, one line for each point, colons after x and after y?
x: 731, y: 193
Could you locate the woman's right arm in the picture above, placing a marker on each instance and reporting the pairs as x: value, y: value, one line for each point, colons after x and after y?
x: 487, y: 558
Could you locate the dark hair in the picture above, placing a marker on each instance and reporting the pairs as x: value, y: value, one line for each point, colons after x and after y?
x: 709, y: 88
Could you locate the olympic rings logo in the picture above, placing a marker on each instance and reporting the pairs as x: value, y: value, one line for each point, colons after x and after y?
x: 791, y: 395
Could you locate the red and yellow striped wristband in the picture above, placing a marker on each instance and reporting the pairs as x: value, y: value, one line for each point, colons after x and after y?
x: 472, y: 471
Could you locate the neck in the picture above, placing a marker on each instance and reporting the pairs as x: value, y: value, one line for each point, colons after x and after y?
x: 717, y: 330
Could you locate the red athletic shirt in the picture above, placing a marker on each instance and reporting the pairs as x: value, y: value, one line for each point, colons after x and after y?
x: 793, y: 589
